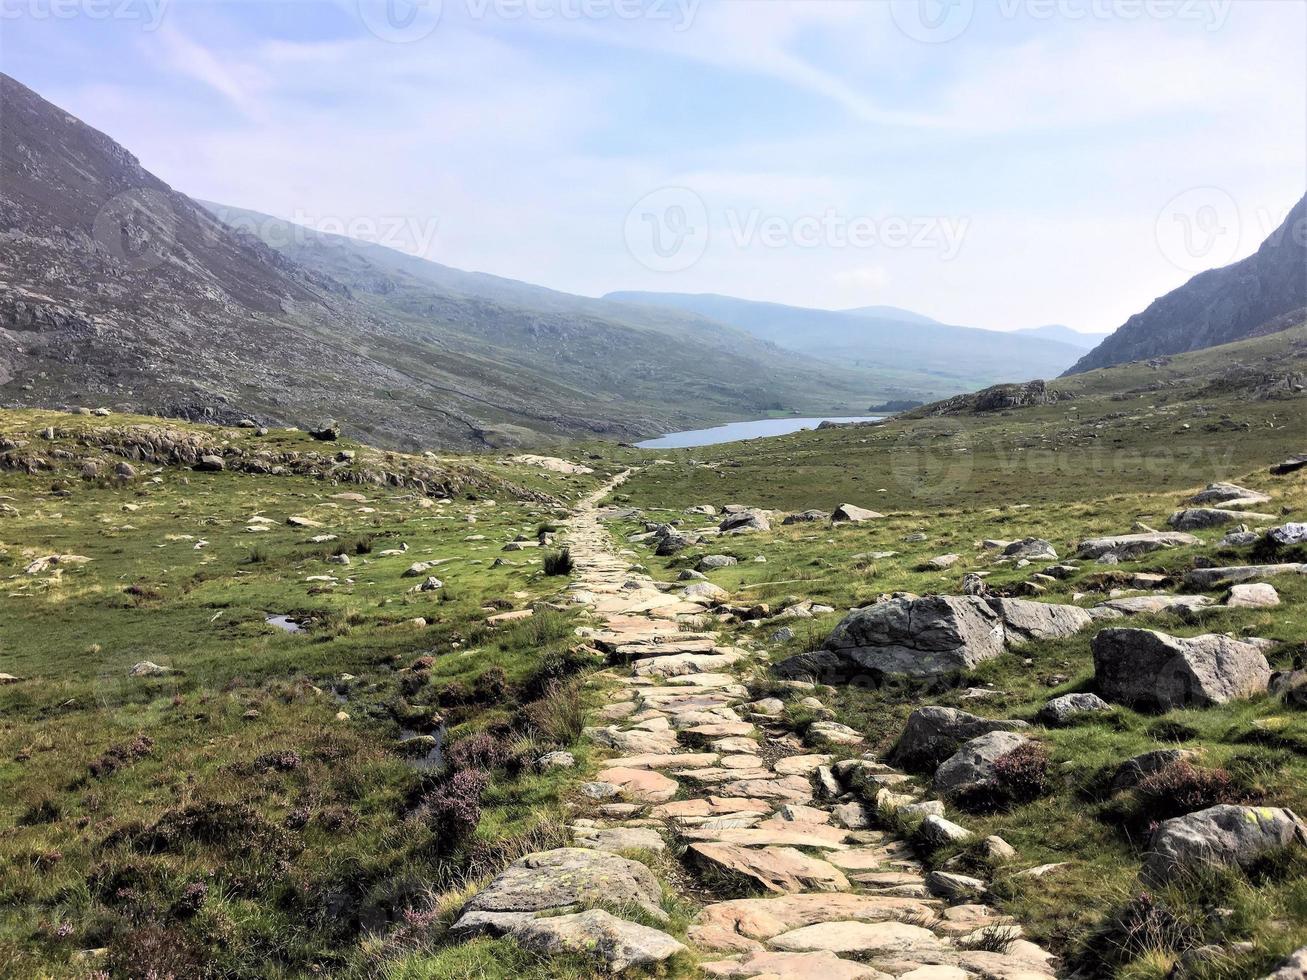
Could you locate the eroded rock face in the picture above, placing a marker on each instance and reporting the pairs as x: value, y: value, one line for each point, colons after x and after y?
x: 1220, y: 836
x: 934, y: 733
x: 971, y: 768
x: 929, y: 636
x: 563, y: 879
x: 1152, y: 670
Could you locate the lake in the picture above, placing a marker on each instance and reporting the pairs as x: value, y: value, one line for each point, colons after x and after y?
x: 736, y: 431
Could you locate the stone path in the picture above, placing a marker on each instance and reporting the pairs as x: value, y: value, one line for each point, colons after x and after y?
x: 701, y: 772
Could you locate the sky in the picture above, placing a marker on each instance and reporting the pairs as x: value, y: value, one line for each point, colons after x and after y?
x: 994, y: 163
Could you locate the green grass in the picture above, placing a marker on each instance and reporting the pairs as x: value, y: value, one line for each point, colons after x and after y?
x: 220, y: 820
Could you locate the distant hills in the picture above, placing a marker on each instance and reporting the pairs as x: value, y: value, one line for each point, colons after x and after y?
x: 117, y: 290
x: 1261, y: 294
x: 914, y: 349
x: 1065, y: 335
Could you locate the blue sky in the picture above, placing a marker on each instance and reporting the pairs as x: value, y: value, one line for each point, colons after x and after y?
x: 999, y: 163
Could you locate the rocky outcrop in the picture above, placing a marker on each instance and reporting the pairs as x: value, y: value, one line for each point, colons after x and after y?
x: 617, y: 944
x: 850, y: 514
x: 925, y: 637
x: 1222, y: 836
x: 1152, y: 670
x: 1210, y: 578
x: 1218, y: 306
x: 744, y: 521
x: 1230, y: 494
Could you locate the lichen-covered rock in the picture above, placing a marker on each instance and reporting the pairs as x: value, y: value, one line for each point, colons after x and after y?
x: 1221, y: 836
x: 1148, y: 669
x: 563, y: 879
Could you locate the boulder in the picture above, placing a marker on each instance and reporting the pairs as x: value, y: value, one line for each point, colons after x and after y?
x: 147, y: 668
x: 710, y: 562
x: 1152, y: 670
x: 1210, y: 578
x: 210, y: 464
x: 1291, y: 686
x: 1288, y: 534
x: 745, y: 521
x: 940, y: 832
x: 806, y: 517
x: 862, y: 938
x: 1062, y: 710
x: 1228, y: 493
x: 619, y: 945
x: 556, y: 760
x: 928, y: 636
x: 1253, y: 595
x: 1222, y: 836
x: 971, y: 768
x: 934, y: 733
x: 1291, y: 465
x: 1033, y: 549
x: 562, y: 879
x: 1197, y: 518
x: 1126, y: 546
x: 1134, y: 771
x: 1151, y: 604
x: 850, y: 514
x: 674, y: 541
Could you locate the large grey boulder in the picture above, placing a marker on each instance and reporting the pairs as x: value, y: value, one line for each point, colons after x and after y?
x: 745, y: 521
x: 1222, y: 836
x: 1025, y: 621
x: 1210, y: 578
x: 934, y: 733
x: 1230, y: 494
x: 1148, y: 669
x: 971, y: 768
x: 1063, y: 710
x: 929, y: 636
x: 849, y: 514
x: 1288, y: 534
x: 1126, y: 546
x: 673, y: 541
x: 1035, y: 549
x: 710, y: 562
x: 563, y: 880
x: 1197, y: 518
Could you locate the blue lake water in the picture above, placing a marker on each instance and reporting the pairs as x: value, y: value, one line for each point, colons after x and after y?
x: 736, y: 431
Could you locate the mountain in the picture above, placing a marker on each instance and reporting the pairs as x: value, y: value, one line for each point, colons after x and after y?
x: 1065, y: 335
x: 116, y: 289
x: 1261, y: 294
x: 920, y: 352
x: 892, y: 313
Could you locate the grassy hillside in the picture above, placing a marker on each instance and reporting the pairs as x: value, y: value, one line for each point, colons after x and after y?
x: 221, y: 818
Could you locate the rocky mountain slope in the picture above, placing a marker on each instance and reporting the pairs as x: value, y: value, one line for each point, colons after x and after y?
x: 930, y: 356
x: 117, y: 289
x: 1257, y: 295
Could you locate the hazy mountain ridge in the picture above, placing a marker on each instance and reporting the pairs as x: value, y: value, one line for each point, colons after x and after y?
x: 939, y: 357
x: 1259, y: 294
